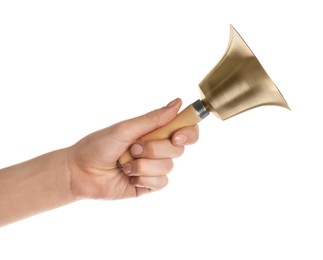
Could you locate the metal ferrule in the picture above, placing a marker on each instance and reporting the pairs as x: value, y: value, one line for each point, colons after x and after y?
x: 200, y: 109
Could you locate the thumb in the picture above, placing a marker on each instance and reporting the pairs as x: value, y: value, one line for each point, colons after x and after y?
x: 144, y: 124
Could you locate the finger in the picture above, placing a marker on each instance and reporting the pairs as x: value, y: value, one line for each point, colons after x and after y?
x: 186, y: 135
x: 148, y: 167
x: 134, y: 128
x: 152, y: 183
x: 156, y: 149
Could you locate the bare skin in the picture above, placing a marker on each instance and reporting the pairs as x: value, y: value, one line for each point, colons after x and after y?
x: 88, y: 169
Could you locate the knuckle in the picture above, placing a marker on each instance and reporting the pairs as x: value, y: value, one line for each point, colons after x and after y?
x: 119, y: 129
x: 152, y: 149
x: 180, y: 151
x: 163, y: 182
x: 168, y: 165
x: 151, y: 117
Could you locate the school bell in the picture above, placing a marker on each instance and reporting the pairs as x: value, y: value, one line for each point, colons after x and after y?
x: 236, y: 84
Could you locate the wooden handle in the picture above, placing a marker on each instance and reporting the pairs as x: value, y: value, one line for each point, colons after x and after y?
x: 188, y: 117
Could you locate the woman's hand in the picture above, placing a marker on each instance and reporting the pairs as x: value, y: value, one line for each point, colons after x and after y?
x: 94, y: 171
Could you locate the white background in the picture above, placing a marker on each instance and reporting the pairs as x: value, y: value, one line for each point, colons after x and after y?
x: 251, y: 188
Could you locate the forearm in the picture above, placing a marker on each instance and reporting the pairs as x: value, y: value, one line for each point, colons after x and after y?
x: 34, y: 186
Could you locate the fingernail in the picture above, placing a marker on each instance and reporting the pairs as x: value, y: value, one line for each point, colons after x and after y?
x: 127, y: 168
x: 172, y: 103
x: 136, y: 149
x: 180, y: 139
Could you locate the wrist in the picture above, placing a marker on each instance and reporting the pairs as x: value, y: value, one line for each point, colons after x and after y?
x: 64, y: 175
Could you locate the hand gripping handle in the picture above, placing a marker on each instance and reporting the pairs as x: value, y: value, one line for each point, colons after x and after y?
x: 190, y: 116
